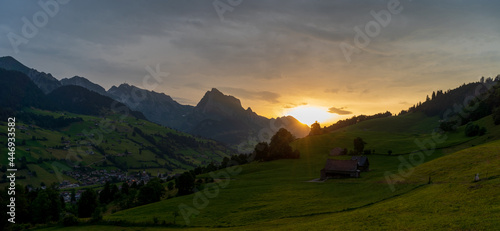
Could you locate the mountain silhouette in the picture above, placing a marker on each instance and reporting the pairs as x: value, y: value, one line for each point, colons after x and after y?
x: 157, y: 107
x: 46, y: 82
x: 83, y: 82
x: 217, y: 116
x: 18, y: 91
x: 80, y: 100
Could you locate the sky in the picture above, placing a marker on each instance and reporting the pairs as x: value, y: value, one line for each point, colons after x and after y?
x: 343, y: 57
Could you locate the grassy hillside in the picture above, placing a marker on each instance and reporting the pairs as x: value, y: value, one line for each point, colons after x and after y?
x: 415, y: 123
x: 110, y: 143
x: 277, y: 195
x: 452, y: 202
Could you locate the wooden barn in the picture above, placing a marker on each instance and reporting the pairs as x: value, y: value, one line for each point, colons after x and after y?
x: 363, y: 163
x: 340, y: 169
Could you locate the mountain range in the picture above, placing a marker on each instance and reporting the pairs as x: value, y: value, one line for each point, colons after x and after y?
x: 217, y: 116
x: 46, y: 82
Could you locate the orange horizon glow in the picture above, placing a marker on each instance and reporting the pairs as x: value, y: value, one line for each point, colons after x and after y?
x: 308, y: 115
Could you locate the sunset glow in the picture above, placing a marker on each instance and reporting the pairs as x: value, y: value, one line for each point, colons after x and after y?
x: 309, y: 114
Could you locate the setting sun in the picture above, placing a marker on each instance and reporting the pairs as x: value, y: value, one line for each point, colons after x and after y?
x: 309, y: 114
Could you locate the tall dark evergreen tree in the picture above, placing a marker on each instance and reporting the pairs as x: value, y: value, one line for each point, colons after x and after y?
x: 87, y: 203
x: 125, y: 188
x: 73, y: 196
x: 105, y: 194
x: 55, y: 207
x: 114, y: 192
x: 39, y: 208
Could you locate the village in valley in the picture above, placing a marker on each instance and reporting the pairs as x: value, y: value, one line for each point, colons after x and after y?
x: 98, y: 178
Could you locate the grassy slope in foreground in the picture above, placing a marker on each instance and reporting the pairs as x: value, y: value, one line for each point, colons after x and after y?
x: 452, y: 202
x: 274, y: 195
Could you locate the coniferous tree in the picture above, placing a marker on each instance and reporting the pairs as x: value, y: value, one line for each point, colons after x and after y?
x: 56, y: 203
x: 114, y: 192
x: 73, y: 196
x: 39, y: 208
x: 105, y: 194
x: 87, y: 203
x: 125, y: 188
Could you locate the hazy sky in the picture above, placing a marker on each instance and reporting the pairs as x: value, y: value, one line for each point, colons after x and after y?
x: 273, y: 55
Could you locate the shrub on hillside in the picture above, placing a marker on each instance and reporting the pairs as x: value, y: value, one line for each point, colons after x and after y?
x: 70, y: 220
x: 474, y: 130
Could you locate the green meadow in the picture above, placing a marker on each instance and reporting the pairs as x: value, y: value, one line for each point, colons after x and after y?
x: 43, y: 148
x: 277, y: 195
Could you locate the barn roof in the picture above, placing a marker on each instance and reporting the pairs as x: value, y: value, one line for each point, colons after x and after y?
x: 362, y: 160
x: 341, y: 165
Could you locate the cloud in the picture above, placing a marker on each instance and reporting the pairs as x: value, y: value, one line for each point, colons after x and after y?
x: 294, y: 105
x: 345, y: 89
x: 267, y: 96
x: 197, y: 86
x: 339, y: 111
x: 332, y: 90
